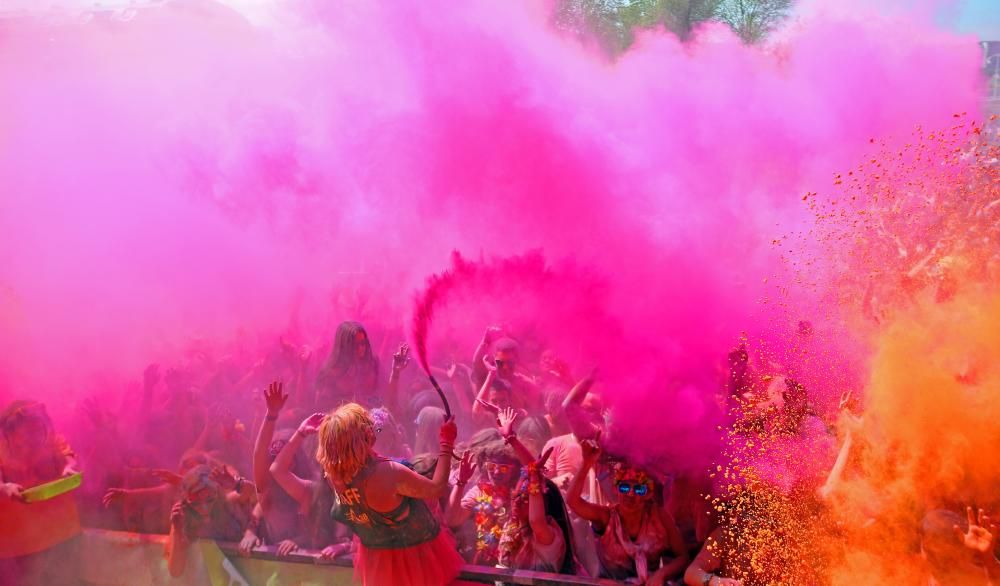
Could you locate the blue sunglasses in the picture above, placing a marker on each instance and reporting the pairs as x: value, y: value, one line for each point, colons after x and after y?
x: 637, y: 489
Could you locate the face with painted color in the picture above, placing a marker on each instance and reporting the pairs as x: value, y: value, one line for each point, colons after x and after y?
x: 502, y: 471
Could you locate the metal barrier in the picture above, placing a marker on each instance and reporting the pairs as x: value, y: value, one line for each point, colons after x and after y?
x: 119, y: 558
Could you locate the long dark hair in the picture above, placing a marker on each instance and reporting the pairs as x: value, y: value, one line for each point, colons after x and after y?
x: 555, y: 507
x: 343, y: 359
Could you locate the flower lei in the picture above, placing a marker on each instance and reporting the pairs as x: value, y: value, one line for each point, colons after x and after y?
x: 491, y: 515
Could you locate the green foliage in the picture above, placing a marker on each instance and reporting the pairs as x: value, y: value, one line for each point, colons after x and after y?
x: 752, y: 20
x: 613, y: 23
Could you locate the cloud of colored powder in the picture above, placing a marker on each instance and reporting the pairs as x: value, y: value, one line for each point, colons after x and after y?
x: 192, y: 174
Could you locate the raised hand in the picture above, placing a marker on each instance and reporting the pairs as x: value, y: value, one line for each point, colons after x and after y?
x: 980, y: 535
x: 466, y: 467
x: 274, y: 398
x: 448, y: 432
x: 492, y: 334
x: 401, y: 358
x: 310, y: 425
x: 591, y: 448
x: 224, y: 477
x: 505, y: 420
x: 490, y: 365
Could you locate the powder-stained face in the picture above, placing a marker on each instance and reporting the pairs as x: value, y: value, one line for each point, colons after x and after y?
x: 361, y: 345
x: 502, y: 472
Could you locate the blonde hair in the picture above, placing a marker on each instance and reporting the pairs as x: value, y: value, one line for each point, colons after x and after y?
x: 346, y: 437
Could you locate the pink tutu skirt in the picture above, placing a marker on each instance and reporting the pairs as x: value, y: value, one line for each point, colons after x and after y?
x: 433, y: 563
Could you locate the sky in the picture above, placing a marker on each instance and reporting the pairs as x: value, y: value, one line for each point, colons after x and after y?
x: 979, y: 17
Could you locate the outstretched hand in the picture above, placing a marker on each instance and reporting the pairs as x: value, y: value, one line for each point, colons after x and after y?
x: 275, y: 398
x: 981, y: 533
x: 505, y: 420
x: 401, y: 358
x: 466, y: 468
x: 591, y: 448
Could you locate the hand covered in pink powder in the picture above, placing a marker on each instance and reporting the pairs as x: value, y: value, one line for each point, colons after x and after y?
x: 505, y: 420
x: 492, y: 334
x: 310, y: 425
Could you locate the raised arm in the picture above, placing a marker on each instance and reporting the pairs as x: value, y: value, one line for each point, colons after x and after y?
x: 411, y: 484
x: 275, y: 399
x: 598, y: 515
x: 478, y: 409
x: 836, y: 474
x: 537, y: 518
x: 299, y: 489
x: 491, y: 334
x: 980, y: 539
x: 579, y: 391
x: 177, y: 542
x: 506, y: 418
x: 399, y: 361
x: 456, y: 514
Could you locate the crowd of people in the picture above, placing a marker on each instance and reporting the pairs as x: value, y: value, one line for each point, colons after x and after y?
x: 328, y: 452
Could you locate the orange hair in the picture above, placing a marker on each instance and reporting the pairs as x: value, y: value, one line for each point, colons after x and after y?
x: 346, y: 438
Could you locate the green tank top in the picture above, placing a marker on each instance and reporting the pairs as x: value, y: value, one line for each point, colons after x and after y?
x: 411, y: 523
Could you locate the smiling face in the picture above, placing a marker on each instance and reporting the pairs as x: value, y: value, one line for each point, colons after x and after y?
x: 501, y: 471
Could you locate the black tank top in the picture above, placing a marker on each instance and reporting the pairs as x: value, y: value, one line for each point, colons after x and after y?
x: 409, y: 524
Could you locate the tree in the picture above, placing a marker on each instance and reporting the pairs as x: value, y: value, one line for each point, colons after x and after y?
x: 613, y: 22
x: 752, y: 20
x: 682, y: 16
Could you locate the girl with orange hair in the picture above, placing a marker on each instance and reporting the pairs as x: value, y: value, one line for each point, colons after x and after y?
x: 382, y: 501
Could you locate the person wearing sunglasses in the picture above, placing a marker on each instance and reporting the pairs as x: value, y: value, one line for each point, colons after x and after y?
x: 487, y: 503
x: 636, y: 537
x: 498, y: 358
